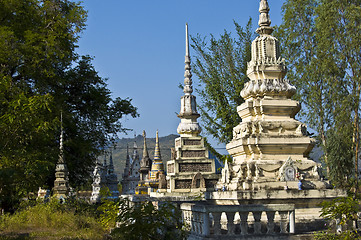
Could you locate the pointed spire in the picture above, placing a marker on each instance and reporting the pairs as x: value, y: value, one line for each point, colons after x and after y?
x: 187, y: 73
x: 111, y: 159
x: 61, y: 145
x: 145, y: 150
x: 135, y: 148
x: 188, y: 112
x: 157, y: 155
x: 61, y: 183
x: 264, y: 18
x: 127, y: 164
x: 127, y: 151
x: 105, y: 159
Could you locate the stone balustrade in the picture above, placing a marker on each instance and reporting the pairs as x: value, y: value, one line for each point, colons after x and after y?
x: 234, y: 221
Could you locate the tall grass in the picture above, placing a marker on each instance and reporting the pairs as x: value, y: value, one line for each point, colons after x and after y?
x: 53, y: 220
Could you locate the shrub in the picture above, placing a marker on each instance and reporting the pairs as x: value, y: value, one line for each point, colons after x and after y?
x: 74, y: 219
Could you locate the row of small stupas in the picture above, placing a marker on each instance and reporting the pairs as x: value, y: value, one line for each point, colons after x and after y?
x: 269, y: 148
x: 104, y: 177
x: 145, y: 175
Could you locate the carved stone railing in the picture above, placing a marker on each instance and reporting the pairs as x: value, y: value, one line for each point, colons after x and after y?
x: 233, y: 221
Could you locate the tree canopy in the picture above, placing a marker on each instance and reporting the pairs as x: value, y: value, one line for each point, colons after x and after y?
x: 42, y: 76
x: 322, y: 40
x: 221, y: 66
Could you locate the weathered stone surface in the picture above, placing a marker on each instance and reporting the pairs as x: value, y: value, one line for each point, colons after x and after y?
x: 195, y: 167
x: 191, y: 142
x: 183, y: 184
x: 171, y: 168
x: 193, y: 153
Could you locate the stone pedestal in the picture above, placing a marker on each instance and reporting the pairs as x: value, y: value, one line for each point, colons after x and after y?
x: 191, y: 170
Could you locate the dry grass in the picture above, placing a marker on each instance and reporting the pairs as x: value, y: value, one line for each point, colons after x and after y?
x: 50, y: 221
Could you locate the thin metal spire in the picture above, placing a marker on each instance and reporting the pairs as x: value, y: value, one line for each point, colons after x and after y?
x: 187, y: 73
x: 61, y: 147
x: 157, y: 155
x: 127, y: 151
x: 111, y: 159
x: 187, y: 41
x: 145, y: 150
x: 105, y: 159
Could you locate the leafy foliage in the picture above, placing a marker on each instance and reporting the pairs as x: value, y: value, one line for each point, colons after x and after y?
x: 340, y: 157
x: 74, y: 219
x: 346, y: 235
x: 143, y: 220
x: 221, y: 67
x: 41, y: 76
x: 321, y: 44
x: 341, y: 210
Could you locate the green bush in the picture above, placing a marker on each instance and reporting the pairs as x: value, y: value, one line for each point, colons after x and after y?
x: 74, y: 219
x: 344, y: 210
x: 346, y: 235
x: 143, y: 220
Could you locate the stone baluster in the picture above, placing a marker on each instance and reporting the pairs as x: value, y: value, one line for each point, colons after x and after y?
x: 292, y: 221
x: 217, y: 223
x: 244, y: 224
x: 257, y: 222
x: 283, y: 224
x: 193, y: 223
x: 205, y: 224
x: 270, y: 222
x: 230, y: 223
x: 197, y: 223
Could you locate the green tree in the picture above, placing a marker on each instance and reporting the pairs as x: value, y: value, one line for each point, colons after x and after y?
x: 41, y: 76
x: 322, y: 46
x: 143, y: 220
x: 221, y: 66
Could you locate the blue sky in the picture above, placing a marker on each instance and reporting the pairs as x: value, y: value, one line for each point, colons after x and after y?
x: 140, y: 46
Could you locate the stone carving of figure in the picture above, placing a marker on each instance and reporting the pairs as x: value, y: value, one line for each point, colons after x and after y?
x: 225, y: 173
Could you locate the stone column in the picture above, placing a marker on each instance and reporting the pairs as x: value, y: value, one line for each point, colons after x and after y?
x: 217, y: 223
x: 205, y: 224
x: 270, y: 223
x: 244, y: 224
x: 230, y: 223
x: 283, y: 224
x: 257, y: 222
x: 292, y: 221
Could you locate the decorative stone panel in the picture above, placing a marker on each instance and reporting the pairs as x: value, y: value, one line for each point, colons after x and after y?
x: 191, y: 142
x: 193, y: 153
x: 168, y: 184
x: 195, y: 167
x: 171, y: 168
x: 183, y: 184
x: 177, y: 143
x: 162, y: 181
x: 198, y: 181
